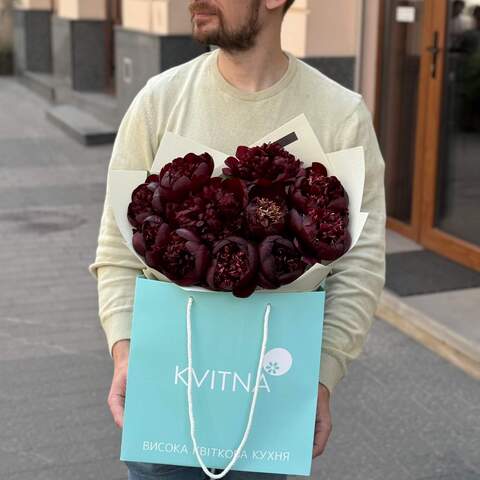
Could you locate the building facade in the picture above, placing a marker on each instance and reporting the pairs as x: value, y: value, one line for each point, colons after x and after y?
x: 427, y: 111
x: 416, y: 63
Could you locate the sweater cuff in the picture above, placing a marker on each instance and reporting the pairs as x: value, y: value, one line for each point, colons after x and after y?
x: 331, y: 371
x: 117, y: 326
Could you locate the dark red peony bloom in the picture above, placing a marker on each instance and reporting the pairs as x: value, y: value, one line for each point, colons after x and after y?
x: 179, y: 255
x: 263, y: 165
x: 150, y: 228
x: 267, y: 211
x: 317, y: 190
x: 234, y: 267
x: 215, y: 212
x: 188, y: 214
x: 280, y: 262
x: 184, y: 175
x: 141, y: 205
x: 230, y: 196
x: 322, y: 233
x: 266, y: 217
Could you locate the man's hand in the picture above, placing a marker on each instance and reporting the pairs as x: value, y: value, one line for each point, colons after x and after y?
x: 116, y: 397
x: 323, y: 421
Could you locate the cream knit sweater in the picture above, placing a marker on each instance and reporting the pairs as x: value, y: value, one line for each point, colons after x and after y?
x: 194, y: 100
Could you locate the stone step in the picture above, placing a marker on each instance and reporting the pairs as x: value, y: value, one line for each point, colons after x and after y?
x: 99, y: 104
x: 41, y: 83
x: 80, y: 125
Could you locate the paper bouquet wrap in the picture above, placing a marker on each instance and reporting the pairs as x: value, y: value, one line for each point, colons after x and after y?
x: 298, y: 137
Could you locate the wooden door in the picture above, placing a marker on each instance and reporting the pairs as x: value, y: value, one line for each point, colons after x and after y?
x: 428, y: 122
x: 401, y: 80
x: 450, y: 210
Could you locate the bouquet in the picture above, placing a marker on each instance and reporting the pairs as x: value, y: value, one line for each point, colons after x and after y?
x: 260, y: 224
x: 275, y: 216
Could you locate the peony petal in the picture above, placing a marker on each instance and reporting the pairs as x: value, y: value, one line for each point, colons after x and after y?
x: 162, y: 235
x: 157, y: 203
x: 202, y: 260
x: 187, y: 235
x: 244, y: 290
x: 209, y: 277
x: 138, y: 243
x: 152, y: 259
x: 264, y: 282
x: 295, y: 221
x: 242, y: 152
x: 150, y: 227
x: 318, y: 169
x: 152, y: 178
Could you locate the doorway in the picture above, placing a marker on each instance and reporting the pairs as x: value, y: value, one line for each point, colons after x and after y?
x: 428, y: 119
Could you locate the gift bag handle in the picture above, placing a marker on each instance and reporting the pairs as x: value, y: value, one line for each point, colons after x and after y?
x: 266, y: 319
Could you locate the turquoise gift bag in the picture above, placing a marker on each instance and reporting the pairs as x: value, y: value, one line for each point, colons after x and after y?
x: 223, y: 382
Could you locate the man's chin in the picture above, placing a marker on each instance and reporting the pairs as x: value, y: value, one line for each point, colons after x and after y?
x: 203, y: 36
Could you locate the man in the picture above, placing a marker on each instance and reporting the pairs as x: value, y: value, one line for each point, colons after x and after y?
x: 459, y: 24
x: 235, y: 95
x: 460, y: 21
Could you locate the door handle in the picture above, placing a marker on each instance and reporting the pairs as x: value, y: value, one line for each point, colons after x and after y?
x: 434, y: 50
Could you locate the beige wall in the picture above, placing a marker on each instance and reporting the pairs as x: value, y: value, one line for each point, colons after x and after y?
x: 337, y: 28
x: 161, y: 17
x: 294, y: 30
x: 33, y: 4
x: 332, y: 28
x: 321, y: 28
x: 82, y: 9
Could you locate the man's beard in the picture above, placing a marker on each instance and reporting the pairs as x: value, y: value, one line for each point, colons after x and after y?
x: 240, y: 39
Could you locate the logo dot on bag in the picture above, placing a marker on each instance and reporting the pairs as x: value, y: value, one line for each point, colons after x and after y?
x: 277, y: 362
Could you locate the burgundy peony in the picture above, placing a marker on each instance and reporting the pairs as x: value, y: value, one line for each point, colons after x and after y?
x: 215, y: 212
x: 280, y: 262
x: 266, y: 214
x: 322, y: 233
x: 150, y: 228
x: 141, y: 205
x: 230, y: 196
x: 179, y: 255
x: 263, y: 165
x: 234, y: 266
x: 182, y: 176
x: 266, y: 217
x: 317, y: 190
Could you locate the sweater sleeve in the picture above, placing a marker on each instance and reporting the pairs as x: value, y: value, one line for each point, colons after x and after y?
x: 354, y: 286
x: 114, y: 266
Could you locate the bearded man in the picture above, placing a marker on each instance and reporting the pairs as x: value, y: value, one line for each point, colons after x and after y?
x: 232, y: 96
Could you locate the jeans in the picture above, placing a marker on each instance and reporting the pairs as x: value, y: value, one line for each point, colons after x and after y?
x: 154, y: 471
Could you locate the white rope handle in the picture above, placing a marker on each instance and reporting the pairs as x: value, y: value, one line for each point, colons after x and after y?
x: 252, y: 406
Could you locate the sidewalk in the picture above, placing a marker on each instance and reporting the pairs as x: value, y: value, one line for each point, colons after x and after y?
x: 402, y: 413
x: 433, y: 300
